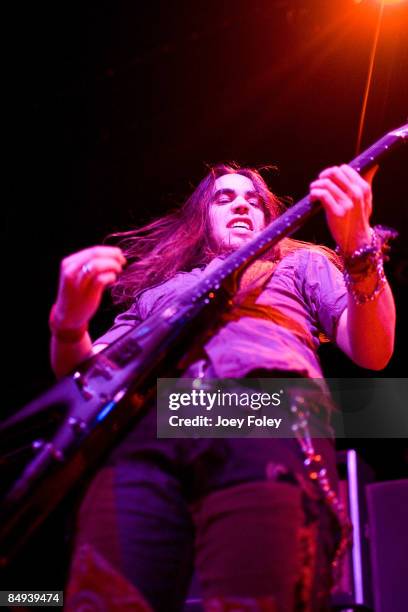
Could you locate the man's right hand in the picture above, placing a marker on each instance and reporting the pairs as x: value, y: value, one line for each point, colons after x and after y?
x: 83, y: 278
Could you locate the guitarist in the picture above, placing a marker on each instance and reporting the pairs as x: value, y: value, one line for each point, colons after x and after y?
x: 261, y: 534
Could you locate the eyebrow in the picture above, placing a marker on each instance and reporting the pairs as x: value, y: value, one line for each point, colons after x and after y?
x: 251, y: 193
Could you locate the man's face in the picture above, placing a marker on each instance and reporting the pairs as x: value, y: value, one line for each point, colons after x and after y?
x: 236, y: 211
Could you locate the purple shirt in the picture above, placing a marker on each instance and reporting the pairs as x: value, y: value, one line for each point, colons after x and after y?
x: 277, y: 330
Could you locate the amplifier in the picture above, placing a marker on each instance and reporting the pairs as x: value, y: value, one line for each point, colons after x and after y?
x: 388, y: 532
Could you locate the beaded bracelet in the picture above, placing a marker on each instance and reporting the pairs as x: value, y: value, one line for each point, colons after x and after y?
x: 359, y: 296
x: 366, y: 260
x: 68, y: 335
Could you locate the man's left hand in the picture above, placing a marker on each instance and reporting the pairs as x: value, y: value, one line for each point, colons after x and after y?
x: 347, y: 200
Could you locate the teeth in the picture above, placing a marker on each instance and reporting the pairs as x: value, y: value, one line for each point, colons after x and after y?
x: 240, y: 224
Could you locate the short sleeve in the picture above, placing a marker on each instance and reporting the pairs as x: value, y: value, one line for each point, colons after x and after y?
x: 324, y: 291
x: 147, y: 302
x: 123, y: 323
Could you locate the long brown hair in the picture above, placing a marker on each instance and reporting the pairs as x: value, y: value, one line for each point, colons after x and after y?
x: 182, y: 239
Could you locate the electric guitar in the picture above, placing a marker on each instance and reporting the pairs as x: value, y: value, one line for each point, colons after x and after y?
x: 101, y: 399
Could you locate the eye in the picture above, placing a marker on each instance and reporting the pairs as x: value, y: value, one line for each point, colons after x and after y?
x: 255, y: 202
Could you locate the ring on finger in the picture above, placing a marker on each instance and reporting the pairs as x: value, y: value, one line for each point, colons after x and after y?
x: 86, y: 269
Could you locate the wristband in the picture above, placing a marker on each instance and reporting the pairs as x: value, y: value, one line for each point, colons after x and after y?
x: 368, y: 260
x: 69, y: 335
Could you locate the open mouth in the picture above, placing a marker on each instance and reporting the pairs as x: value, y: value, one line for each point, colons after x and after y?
x: 241, y: 223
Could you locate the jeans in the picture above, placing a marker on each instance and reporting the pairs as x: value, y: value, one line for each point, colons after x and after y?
x: 242, y: 511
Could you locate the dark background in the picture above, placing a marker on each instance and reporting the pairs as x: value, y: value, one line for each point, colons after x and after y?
x: 115, y: 107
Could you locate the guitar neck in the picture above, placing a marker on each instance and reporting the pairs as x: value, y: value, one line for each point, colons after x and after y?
x: 292, y: 219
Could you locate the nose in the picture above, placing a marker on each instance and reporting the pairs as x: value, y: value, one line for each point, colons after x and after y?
x: 240, y: 206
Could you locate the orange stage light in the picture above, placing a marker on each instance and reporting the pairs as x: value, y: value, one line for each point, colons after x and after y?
x: 383, y: 2
x: 389, y: 2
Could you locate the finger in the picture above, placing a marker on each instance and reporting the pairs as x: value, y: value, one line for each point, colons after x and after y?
x: 328, y: 201
x: 366, y: 196
x: 349, y: 181
x: 103, y: 251
x: 356, y: 178
x: 98, y: 284
x: 91, y: 271
x: 82, y: 257
x: 340, y: 197
x: 340, y: 178
x: 77, y: 275
x: 105, y: 279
